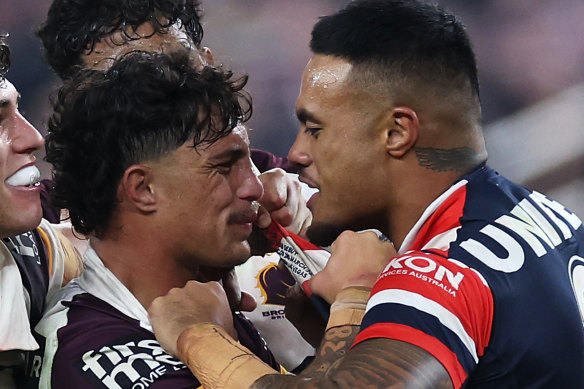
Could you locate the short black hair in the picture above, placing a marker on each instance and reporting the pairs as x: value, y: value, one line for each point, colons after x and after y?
x: 399, y: 39
x: 73, y: 27
x: 4, y: 57
x: 145, y: 106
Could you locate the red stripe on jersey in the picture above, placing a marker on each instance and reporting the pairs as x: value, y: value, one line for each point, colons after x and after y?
x: 409, y: 335
x: 446, y: 217
x: 435, y: 278
x: 275, y: 232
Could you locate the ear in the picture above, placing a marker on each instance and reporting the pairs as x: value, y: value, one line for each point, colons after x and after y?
x: 208, y: 54
x: 137, y: 186
x: 403, y: 131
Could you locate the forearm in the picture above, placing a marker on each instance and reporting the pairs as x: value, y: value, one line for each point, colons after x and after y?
x: 234, y: 366
x: 229, y: 365
x: 346, y: 314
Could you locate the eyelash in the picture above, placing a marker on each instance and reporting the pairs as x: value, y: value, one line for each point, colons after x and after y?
x: 225, y: 167
x: 312, y: 131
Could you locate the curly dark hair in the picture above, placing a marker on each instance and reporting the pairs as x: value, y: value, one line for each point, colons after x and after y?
x: 145, y: 106
x: 74, y: 26
x: 4, y: 57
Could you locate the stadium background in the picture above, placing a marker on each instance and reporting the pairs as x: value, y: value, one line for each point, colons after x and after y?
x: 531, y: 68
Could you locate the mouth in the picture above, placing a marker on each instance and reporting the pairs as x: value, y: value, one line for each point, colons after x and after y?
x: 245, y: 217
x: 308, y: 181
x: 28, y: 176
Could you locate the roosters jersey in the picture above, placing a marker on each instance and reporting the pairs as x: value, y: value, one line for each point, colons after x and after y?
x: 490, y: 281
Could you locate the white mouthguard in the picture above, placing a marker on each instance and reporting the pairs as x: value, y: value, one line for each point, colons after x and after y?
x: 29, y: 175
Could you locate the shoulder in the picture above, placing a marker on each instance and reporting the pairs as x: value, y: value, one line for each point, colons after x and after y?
x: 98, y: 345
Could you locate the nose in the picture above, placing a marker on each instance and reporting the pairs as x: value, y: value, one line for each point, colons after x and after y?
x: 300, y: 152
x: 26, y: 138
x: 250, y: 187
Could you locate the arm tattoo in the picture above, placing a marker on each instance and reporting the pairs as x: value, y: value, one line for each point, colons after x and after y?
x: 460, y: 159
x: 333, y: 348
x: 373, y: 364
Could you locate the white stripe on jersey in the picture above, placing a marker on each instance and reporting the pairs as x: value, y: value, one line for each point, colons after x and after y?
x: 421, y: 303
x: 442, y: 241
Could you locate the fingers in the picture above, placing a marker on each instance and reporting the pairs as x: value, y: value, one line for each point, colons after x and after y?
x: 283, y: 200
x: 264, y: 219
x: 356, y: 259
x: 275, y: 182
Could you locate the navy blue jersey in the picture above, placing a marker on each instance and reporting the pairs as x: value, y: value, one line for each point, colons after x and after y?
x: 490, y: 282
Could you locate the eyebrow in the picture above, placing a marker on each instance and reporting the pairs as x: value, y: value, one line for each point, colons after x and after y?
x: 234, y: 153
x: 6, y: 102
x: 304, y: 116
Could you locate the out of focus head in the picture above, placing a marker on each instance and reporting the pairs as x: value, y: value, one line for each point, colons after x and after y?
x: 158, y: 140
x: 391, y: 84
x: 92, y: 33
x: 20, y: 206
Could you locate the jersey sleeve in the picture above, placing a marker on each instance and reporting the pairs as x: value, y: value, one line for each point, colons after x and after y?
x: 435, y: 303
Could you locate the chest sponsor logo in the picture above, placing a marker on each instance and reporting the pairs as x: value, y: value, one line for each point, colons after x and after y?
x: 427, y: 270
x: 133, y: 365
x: 541, y: 224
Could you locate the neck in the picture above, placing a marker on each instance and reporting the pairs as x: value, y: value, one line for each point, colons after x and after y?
x: 142, y: 265
x: 415, y: 194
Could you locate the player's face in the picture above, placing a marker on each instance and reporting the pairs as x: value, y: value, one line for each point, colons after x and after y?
x: 340, y: 149
x: 144, y: 38
x: 20, y: 205
x: 208, y: 198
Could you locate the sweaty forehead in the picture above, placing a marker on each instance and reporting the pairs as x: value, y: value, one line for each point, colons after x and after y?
x: 8, y: 93
x: 144, y: 38
x: 326, y: 71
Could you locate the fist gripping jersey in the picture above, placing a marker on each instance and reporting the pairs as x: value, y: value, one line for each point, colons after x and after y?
x: 490, y: 281
x: 97, y: 335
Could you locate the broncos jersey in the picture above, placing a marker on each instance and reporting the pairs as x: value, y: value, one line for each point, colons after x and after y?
x: 490, y: 281
x: 98, y: 336
x: 267, y: 283
x: 31, y: 271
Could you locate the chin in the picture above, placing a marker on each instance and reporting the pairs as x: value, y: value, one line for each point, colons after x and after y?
x: 323, y: 234
x: 238, y: 255
x: 20, y: 226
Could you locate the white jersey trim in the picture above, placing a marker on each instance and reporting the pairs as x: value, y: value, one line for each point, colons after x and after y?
x: 423, y: 304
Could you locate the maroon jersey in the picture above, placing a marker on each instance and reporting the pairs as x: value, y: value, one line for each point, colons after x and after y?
x: 98, y: 336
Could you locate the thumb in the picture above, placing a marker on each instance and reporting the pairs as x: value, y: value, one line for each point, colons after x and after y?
x: 264, y: 219
x: 321, y: 285
x: 247, y: 303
